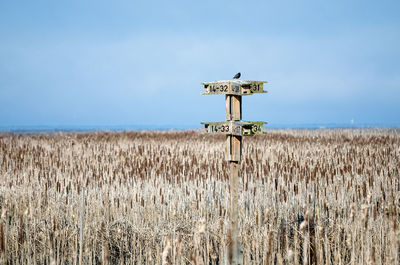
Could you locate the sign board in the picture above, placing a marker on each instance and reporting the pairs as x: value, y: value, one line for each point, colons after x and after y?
x: 233, y: 87
x: 238, y: 128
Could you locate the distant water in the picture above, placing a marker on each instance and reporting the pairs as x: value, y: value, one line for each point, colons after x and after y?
x: 83, y: 128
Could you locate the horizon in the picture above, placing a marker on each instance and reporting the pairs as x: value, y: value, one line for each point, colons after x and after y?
x: 178, y: 127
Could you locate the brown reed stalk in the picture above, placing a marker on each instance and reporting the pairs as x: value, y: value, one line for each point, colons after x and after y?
x: 2, y: 238
x: 229, y: 245
x: 269, y: 248
x: 21, y: 230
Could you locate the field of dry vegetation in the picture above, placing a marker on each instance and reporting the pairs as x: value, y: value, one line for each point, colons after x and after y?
x: 305, y: 196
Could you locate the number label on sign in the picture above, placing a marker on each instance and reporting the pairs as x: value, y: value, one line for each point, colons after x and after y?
x: 256, y: 128
x: 218, y: 88
x: 219, y: 128
x: 256, y: 88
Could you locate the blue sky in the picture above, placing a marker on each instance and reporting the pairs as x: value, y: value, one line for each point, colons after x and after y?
x: 113, y: 63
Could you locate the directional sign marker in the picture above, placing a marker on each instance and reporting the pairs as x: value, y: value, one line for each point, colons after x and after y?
x: 233, y: 87
x: 239, y: 128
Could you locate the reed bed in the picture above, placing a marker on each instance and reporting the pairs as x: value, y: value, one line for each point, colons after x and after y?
x: 305, y: 197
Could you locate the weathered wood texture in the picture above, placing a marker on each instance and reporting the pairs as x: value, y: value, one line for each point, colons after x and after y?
x: 233, y: 148
x: 233, y: 106
x: 234, y: 217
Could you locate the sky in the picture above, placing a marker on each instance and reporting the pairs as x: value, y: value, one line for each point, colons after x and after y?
x: 140, y: 63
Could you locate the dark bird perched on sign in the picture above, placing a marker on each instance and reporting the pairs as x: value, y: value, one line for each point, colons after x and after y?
x: 237, y: 76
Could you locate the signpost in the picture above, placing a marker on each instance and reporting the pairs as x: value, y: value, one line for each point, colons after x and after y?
x: 234, y: 129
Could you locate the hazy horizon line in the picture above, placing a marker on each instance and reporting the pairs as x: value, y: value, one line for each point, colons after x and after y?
x: 163, y: 127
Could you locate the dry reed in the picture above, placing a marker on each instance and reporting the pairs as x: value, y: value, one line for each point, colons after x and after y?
x: 305, y: 196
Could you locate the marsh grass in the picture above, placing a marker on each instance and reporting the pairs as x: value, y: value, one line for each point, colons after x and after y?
x: 305, y: 196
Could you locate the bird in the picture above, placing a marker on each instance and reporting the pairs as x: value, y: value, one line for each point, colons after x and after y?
x: 237, y: 76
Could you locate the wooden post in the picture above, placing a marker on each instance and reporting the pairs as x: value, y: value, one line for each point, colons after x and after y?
x: 234, y: 155
x: 234, y: 217
x: 234, y: 129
